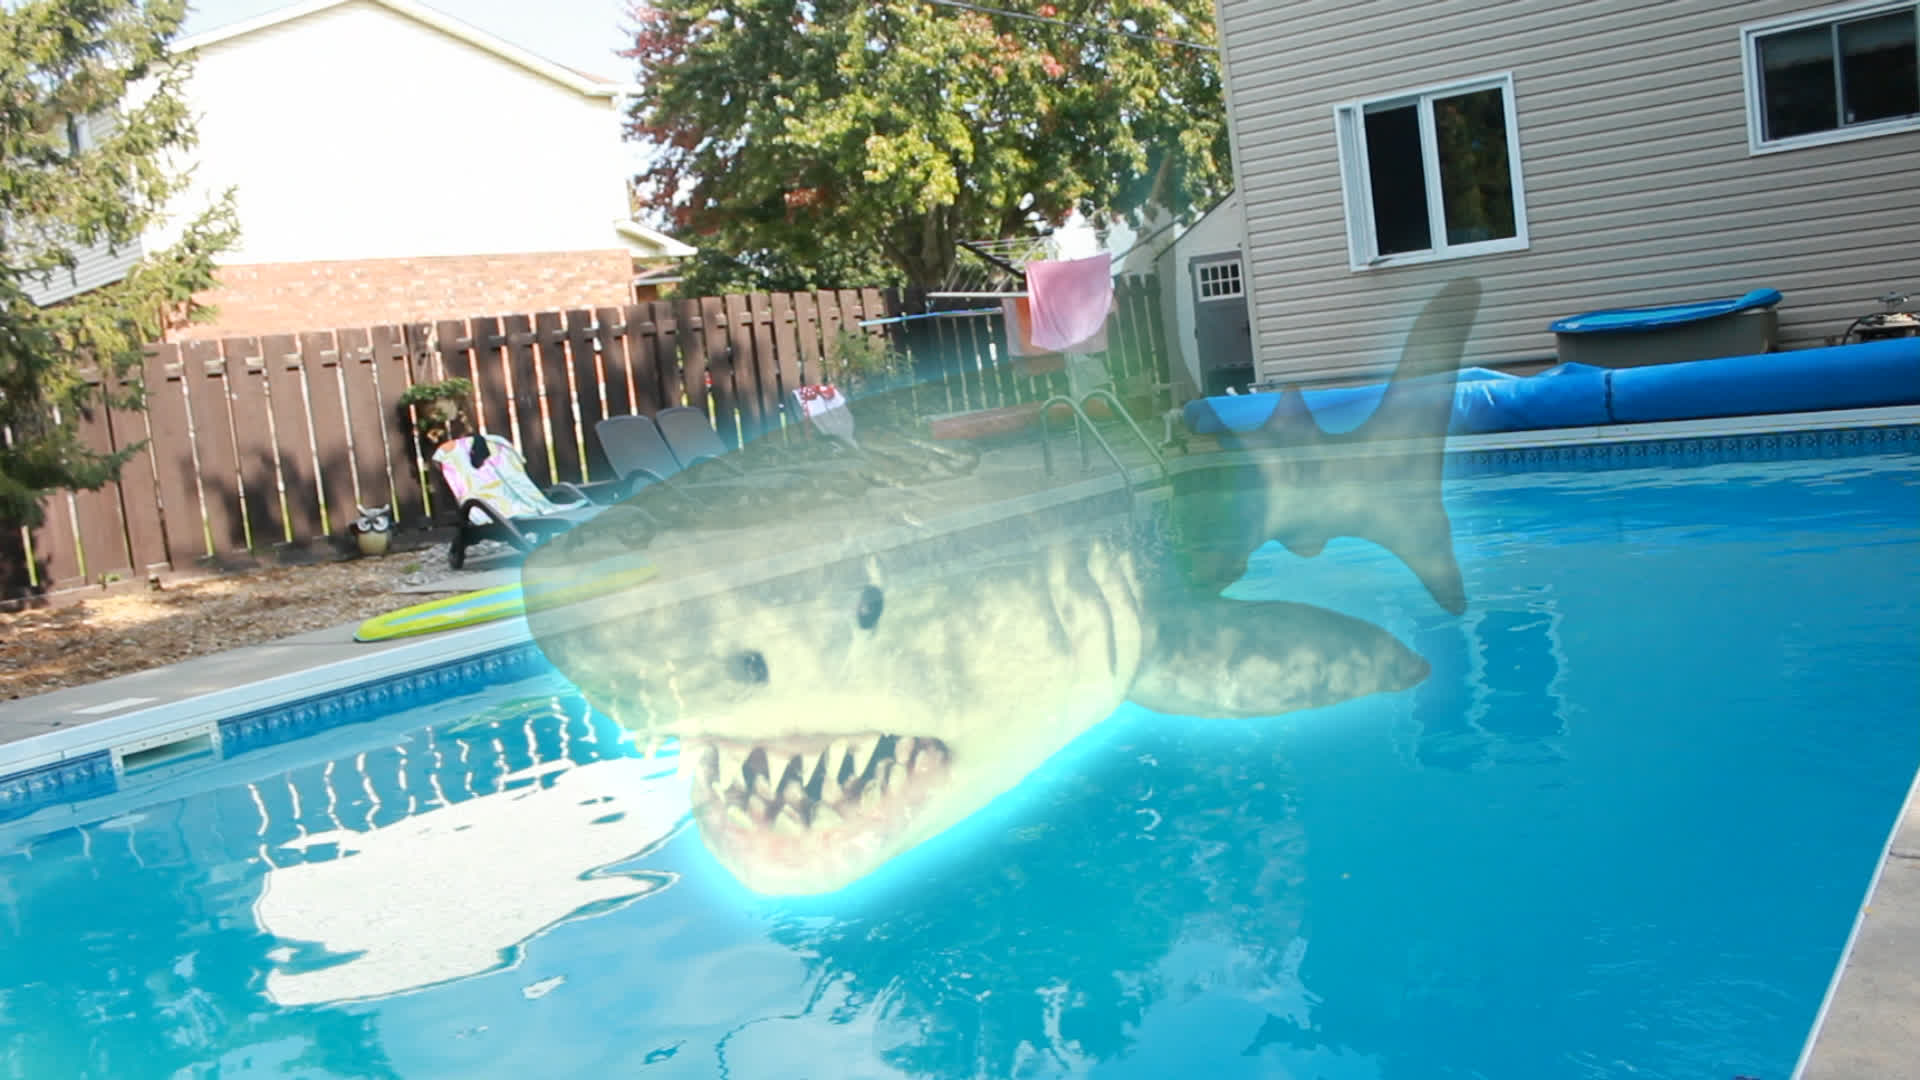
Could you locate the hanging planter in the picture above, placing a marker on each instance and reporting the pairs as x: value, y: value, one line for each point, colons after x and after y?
x: 437, y: 406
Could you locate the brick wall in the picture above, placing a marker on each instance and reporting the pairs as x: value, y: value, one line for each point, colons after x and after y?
x: 267, y: 298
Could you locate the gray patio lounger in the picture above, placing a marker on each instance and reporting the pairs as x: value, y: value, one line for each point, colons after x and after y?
x: 638, y: 453
x: 689, y: 433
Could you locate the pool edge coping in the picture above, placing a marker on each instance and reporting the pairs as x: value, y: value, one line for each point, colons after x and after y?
x: 1810, y: 1048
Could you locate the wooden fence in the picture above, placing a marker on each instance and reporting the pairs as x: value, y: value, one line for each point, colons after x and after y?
x: 255, y: 445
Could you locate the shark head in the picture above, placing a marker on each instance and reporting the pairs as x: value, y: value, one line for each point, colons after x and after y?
x: 833, y: 720
x: 842, y: 712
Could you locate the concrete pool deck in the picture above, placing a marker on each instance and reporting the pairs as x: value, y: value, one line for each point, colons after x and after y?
x: 1867, y: 1028
x: 1869, y: 1025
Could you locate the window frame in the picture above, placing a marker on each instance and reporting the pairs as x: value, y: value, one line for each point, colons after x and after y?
x: 1750, y: 33
x: 1239, y: 277
x: 1356, y: 185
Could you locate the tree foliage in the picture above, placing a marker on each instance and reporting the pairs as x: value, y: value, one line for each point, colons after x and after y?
x: 794, y: 132
x: 63, y: 62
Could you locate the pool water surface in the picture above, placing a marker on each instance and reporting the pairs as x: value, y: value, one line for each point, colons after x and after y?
x: 1621, y: 830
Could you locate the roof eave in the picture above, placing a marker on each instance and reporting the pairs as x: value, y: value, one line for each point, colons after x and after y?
x: 427, y: 16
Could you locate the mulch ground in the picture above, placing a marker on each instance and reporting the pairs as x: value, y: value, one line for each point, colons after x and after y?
x: 71, y: 643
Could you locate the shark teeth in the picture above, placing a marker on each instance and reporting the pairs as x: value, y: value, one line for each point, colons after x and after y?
x: 794, y: 786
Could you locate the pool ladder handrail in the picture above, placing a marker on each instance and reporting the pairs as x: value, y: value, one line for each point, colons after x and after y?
x: 1083, y: 424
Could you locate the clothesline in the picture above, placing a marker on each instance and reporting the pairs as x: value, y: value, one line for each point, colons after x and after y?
x: 930, y: 314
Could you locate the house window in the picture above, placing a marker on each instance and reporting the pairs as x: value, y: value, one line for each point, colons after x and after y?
x: 1432, y: 174
x: 1832, y: 75
x: 1221, y: 280
x: 79, y: 135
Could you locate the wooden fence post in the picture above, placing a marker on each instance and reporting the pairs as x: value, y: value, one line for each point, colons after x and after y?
x: 139, y: 484
x: 616, y: 361
x: 394, y: 370
x: 557, y: 396
x: 589, y: 402
x: 101, y: 534
x: 299, y: 481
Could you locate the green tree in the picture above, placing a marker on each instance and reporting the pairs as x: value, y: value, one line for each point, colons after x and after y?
x: 64, y: 63
x: 896, y: 129
x: 736, y: 268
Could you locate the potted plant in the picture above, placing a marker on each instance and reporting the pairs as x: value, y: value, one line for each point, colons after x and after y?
x: 868, y: 370
x: 438, y: 407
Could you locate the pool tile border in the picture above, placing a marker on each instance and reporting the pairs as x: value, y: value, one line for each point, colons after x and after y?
x: 91, y: 775
x: 1836, y: 442
x: 315, y: 713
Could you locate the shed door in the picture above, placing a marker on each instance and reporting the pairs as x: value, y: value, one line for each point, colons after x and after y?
x: 1223, y: 336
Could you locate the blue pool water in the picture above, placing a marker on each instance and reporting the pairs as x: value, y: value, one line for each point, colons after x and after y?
x: 1621, y: 831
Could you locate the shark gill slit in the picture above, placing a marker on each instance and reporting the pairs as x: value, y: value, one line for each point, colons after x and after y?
x: 1057, y: 633
x: 1079, y: 571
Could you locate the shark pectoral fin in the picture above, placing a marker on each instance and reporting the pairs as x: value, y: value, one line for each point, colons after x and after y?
x: 1216, y: 657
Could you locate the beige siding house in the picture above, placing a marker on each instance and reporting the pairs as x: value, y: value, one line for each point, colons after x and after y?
x: 1572, y: 155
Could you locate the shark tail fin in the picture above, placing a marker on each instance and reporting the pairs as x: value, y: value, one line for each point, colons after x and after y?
x: 1415, y: 409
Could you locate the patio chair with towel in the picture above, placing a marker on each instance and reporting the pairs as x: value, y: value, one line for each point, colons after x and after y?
x: 499, y: 501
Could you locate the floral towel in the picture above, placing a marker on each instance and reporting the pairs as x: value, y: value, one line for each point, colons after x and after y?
x: 501, y: 480
x: 827, y: 408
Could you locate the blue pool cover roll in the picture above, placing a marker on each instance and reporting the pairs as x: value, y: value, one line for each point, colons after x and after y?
x: 1616, y: 320
x: 1873, y: 374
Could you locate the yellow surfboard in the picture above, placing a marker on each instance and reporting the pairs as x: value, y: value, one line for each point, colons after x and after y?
x: 486, y: 605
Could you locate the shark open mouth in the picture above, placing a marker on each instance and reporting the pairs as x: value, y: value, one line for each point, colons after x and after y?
x: 806, y: 807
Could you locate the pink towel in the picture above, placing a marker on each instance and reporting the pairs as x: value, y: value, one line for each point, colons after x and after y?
x: 1071, y: 300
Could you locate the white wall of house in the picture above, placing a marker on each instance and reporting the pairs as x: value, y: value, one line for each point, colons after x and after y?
x: 356, y: 132
x: 1218, y: 232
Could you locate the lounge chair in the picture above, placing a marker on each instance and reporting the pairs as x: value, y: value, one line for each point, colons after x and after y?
x: 499, y: 501
x: 636, y: 450
x: 689, y: 434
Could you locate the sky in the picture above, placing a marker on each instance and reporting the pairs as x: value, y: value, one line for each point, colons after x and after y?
x: 581, y: 34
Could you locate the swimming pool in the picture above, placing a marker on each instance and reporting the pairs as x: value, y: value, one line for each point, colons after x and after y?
x: 1622, y: 829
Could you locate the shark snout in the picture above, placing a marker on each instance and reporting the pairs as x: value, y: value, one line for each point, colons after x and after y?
x: 1410, y: 669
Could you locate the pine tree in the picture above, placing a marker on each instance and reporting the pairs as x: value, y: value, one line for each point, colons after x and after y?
x: 92, y: 123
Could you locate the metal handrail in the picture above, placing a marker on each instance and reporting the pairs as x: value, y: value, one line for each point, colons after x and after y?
x: 1083, y: 424
x: 1114, y: 404
x: 1080, y: 417
x: 1080, y: 429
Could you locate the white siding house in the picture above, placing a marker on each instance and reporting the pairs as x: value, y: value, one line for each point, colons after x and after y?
x: 1203, y: 296
x: 391, y: 163
x: 1573, y: 155
x: 370, y: 129
x: 96, y: 264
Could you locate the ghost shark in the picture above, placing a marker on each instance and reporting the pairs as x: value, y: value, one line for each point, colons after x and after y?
x: 832, y: 720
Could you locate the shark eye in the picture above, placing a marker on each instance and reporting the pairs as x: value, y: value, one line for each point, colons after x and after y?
x: 871, y: 603
x: 749, y: 667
